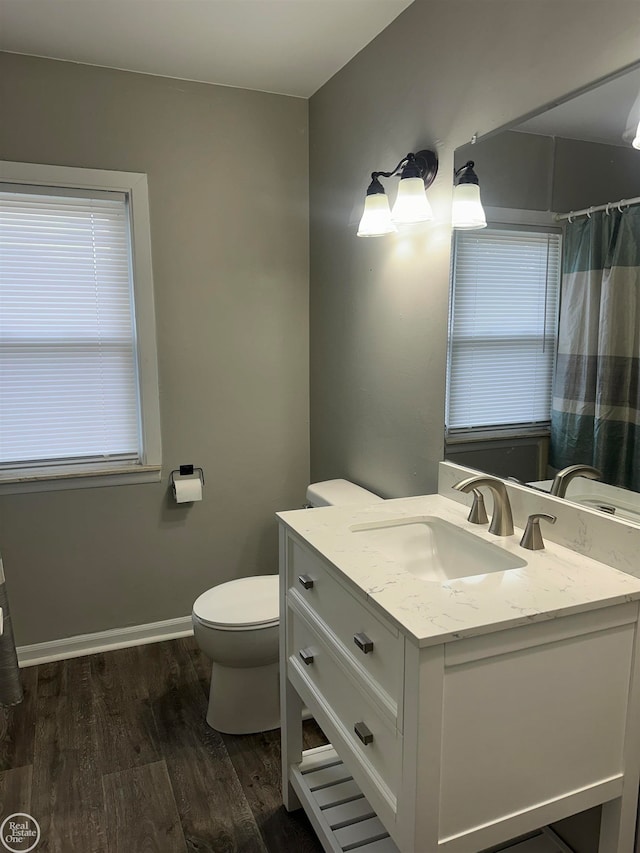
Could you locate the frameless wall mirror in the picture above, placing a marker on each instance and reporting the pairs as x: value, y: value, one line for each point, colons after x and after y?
x: 544, y: 339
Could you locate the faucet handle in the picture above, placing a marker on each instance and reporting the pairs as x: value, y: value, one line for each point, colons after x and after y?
x: 478, y: 512
x: 532, y: 538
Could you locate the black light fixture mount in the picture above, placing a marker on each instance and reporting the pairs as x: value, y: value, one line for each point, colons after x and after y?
x: 423, y: 164
x: 466, y: 175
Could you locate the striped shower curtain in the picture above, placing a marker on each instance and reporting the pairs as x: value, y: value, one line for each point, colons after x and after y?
x: 595, y: 416
x: 10, y: 686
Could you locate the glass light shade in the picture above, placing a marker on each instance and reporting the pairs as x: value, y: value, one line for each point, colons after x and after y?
x: 636, y: 141
x: 468, y: 212
x: 376, y: 219
x: 412, y: 204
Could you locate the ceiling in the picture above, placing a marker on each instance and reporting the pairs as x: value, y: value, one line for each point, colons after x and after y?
x: 599, y: 115
x: 291, y: 47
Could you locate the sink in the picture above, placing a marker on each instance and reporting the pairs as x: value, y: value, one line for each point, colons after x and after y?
x: 433, y: 549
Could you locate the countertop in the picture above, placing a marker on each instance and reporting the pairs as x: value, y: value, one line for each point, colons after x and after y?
x: 555, y: 582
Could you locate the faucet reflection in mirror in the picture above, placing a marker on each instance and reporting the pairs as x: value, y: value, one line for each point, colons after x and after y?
x: 417, y: 172
x: 566, y: 475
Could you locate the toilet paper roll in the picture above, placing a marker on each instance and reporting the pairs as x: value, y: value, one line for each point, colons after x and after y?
x: 187, y: 489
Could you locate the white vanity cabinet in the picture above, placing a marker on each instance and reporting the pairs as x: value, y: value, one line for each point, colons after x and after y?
x: 446, y: 744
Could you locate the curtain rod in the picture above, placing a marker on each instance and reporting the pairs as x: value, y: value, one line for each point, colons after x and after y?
x: 624, y: 202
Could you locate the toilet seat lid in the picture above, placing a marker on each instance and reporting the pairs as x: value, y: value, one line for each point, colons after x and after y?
x: 242, y: 602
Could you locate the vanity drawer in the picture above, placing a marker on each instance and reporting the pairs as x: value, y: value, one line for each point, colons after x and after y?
x: 379, y: 746
x: 373, y: 645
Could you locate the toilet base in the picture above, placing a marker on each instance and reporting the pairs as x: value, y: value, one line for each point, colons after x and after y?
x: 244, y: 700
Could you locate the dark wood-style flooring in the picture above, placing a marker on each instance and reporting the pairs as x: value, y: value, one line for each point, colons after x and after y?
x: 111, y: 754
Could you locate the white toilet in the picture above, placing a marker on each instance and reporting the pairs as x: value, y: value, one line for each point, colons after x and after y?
x: 236, y: 625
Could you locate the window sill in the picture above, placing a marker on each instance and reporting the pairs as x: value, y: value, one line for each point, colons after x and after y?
x: 74, y: 477
x: 508, y: 434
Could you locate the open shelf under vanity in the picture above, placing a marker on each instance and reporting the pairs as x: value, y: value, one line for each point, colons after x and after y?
x: 345, y: 821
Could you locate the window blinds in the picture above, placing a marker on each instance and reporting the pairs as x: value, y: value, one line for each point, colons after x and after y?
x: 68, y: 375
x: 502, y: 328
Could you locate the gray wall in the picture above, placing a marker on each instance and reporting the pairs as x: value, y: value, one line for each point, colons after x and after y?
x: 442, y: 71
x: 526, y: 171
x: 589, y: 173
x: 228, y: 186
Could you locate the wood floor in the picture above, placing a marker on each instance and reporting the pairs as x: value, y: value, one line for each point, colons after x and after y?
x: 111, y: 754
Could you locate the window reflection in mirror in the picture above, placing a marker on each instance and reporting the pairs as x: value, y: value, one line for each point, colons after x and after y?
x: 531, y: 389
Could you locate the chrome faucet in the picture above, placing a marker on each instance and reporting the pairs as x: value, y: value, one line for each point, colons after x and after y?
x: 566, y: 475
x: 501, y: 520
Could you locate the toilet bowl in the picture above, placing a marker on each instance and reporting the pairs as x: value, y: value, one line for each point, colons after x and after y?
x: 236, y: 625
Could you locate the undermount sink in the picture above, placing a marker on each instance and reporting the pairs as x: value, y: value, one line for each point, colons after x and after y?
x: 433, y: 549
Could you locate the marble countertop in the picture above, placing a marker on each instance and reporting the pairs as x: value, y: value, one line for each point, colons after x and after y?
x: 555, y: 581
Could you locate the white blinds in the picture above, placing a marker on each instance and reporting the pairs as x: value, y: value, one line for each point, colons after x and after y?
x: 68, y: 376
x: 503, y: 328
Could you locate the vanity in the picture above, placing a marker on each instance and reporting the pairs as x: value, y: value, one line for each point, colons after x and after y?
x: 472, y: 691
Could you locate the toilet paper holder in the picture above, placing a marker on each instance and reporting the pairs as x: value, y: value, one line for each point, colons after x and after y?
x: 184, y: 471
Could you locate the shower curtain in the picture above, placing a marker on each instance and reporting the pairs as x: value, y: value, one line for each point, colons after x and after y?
x: 595, y: 416
x: 10, y: 686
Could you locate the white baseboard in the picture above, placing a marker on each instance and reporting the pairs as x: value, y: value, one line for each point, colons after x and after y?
x: 104, y: 641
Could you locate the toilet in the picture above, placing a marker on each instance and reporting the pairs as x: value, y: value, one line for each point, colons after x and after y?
x: 236, y: 625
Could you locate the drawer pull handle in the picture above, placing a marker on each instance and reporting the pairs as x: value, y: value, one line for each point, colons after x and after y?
x: 363, y: 733
x: 305, y: 581
x: 363, y: 643
x: 306, y: 655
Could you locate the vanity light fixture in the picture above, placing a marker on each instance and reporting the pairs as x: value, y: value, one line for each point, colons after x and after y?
x: 417, y: 172
x: 376, y: 217
x: 632, y: 129
x: 468, y: 213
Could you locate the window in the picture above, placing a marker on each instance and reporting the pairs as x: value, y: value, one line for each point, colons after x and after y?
x: 78, y: 381
x: 503, y: 327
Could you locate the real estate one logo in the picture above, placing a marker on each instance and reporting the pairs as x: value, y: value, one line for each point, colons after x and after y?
x: 20, y: 832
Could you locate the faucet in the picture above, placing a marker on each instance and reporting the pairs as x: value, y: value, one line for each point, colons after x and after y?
x: 502, y: 520
x: 532, y: 537
x: 566, y: 475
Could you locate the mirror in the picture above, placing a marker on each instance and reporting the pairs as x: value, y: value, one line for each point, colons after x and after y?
x: 572, y: 156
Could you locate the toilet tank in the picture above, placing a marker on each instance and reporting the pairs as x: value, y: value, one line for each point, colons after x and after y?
x: 339, y: 493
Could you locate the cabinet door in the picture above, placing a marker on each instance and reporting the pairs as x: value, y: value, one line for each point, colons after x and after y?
x: 529, y: 726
